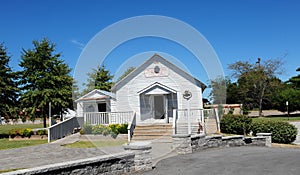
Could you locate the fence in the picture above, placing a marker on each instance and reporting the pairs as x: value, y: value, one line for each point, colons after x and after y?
x: 97, y: 118
x: 64, y: 128
x: 191, y: 121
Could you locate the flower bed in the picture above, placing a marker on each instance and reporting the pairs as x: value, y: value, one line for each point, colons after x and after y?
x: 27, y: 133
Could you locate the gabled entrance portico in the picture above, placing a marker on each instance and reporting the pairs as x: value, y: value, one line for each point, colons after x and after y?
x: 157, y: 102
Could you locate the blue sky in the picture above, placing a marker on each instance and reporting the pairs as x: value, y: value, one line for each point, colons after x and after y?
x: 237, y: 30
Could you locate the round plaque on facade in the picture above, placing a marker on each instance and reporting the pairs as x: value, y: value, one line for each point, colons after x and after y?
x: 187, y: 94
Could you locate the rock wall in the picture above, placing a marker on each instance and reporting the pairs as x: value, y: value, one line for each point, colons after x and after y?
x: 184, y: 144
x: 116, y: 164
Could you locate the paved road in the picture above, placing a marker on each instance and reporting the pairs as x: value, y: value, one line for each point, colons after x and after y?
x: 233, y: 161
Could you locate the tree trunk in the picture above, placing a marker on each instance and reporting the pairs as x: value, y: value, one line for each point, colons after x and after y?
x: 45, y: 125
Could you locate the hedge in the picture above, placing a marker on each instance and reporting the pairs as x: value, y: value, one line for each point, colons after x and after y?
x: 282, y: 132
x: 235, y: 124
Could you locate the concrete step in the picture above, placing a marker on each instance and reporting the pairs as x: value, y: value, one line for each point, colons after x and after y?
x: 154, y: 132
x: 163, y: 132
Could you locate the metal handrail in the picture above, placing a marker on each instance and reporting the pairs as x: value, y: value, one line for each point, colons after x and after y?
x: 131, y: 127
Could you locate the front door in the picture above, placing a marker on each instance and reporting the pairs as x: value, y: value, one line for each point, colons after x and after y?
x: 159, y: 107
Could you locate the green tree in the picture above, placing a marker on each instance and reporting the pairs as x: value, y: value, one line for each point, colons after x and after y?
x: 289, y: 92
x: 8, y: 86
x: 295, y: 81
x: 45, y: 78
x: 128, y: 71
x: 218, y: 90
x: 254, y: 80
x: 99, y: 78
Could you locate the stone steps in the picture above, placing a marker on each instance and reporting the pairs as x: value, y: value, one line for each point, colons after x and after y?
x: 158, y: 132
x: 211, y: 126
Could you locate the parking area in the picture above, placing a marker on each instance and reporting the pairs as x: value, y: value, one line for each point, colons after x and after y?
x: 233, y: 161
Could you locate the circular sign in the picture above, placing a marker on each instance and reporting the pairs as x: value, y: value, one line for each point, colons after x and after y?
x: 187, y: 95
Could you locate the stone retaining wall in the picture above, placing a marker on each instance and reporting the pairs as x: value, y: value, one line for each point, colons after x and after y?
x: 184, y: 144
x: 116, y: 164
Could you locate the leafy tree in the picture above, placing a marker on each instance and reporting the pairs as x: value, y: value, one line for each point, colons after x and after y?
x: 99, y: 78
x: 295, y: 80
x: 128, y: 71
x: 288, y: 94
x: 218, y: 92
x: 232, y: 93
x: 45, y: 78
x: 8, y: 86
x: 290, y: 91
x: 254, y: 80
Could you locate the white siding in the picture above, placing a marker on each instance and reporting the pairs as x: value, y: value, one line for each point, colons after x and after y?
x: 128, y: 96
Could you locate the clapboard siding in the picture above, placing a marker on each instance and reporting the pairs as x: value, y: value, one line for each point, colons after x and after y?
x: 128, y: 94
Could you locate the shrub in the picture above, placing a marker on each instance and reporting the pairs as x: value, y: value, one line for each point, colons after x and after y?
x: 123, y: 129
x: 104, y: 130
x: 98, y: 129
x: 235, y: 124
x: 27, y: 132
x: 41, y: 132
x: 282, y: 132
x: 87, y: 129
x: 15, y: 132
x: 119, y: 128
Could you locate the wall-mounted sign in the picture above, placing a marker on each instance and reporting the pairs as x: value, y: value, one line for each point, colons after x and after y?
x: 187, y: 94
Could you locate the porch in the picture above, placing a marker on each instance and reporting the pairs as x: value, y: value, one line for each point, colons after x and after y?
x: 183, y: 121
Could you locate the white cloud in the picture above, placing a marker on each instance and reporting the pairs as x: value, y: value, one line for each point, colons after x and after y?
x: 79, y: 44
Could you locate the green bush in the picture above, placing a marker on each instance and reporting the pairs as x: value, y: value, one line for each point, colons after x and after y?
x: 42, y: 132
x: 87, y: 129
x: 119, y: 128
x: 235, y: 124
x: 105, y: 130
x: 15, y: 132
x: 98, y: 129
x: 282, y: 132
x: 27, y: 132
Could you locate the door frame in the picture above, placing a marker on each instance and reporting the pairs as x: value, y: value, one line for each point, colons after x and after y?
x: 165, y: 107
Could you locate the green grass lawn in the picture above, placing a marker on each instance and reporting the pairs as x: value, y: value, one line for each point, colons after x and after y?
x: 6, y: 144
x: 7, y: 128
x: 95, y: 144
x: 279, y: 118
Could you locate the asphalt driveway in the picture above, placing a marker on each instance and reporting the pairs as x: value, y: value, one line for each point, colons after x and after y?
x: 233, y: 161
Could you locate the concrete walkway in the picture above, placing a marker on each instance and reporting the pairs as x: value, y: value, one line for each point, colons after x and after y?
x: 45, y: 154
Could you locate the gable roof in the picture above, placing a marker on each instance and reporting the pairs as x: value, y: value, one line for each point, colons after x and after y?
x: 157, y: 58
x: 157, y: 88
x: 96, y: 94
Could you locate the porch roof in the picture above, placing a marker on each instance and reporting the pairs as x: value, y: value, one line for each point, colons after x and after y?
x: 96, y: 94
x: 157, y: 88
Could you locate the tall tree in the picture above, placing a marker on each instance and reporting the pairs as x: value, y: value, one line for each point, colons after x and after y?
x: 8, y: 85
x: 290, y: 92
x: 295, y: 81
x: 99, y: 78
x: 128, y: 71
x: 45, y: 78
x: 218, y: 90
x: 254, y: 80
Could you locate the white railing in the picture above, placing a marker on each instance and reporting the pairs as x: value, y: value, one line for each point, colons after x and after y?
x: 195, y: 122
x: 130, y: 128
x: 97, y: 118
x: 64, y: 128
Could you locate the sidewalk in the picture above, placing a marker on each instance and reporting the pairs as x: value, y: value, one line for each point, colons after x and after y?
x: 50, y: 153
